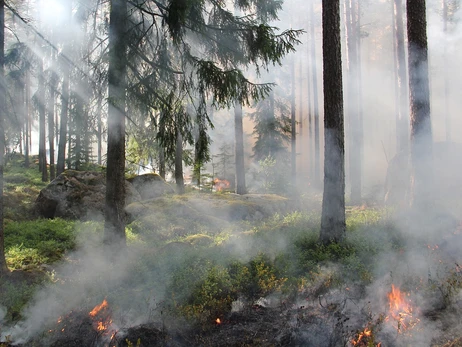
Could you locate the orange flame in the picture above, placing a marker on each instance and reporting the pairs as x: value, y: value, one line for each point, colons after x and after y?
x: 397, y: 301
x: 98, y: 308
x: 220, y: 184
x: 400, y: 310
x: 365, y: 333
x: 102, y: 319
x: 103, y: 326
x: 218, y: 321
x: 365, y: 338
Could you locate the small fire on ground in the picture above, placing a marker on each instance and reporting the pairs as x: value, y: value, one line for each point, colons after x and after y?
x: 400, y: 311
x: 220, y: 185
x: 102, y: 321
x: 400, y: 315
x: 85, y: 327
x: 365, y: 338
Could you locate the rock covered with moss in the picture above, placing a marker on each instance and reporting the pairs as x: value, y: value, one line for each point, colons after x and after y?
x: 81, y: 194
x: 150, y: 186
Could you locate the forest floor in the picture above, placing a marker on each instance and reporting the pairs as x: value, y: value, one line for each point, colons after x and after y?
x: 214, y: 269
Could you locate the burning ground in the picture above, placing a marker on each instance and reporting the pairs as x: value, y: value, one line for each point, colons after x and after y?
x: 188, y: 279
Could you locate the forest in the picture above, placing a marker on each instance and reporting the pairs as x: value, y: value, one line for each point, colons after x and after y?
x: 230, y: 173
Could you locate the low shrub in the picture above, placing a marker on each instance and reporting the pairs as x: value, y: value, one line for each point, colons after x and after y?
x: 22, y: 258
x: 30, y: 243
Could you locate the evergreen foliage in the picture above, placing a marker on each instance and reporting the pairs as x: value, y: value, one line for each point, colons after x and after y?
x: 200, y: 49
x: 272, y: 128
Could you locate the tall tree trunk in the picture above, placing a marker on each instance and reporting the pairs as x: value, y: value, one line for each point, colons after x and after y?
x: 99, y: 131
x: 179, y: 179
x: 63, y: 122
x: 114, y: 226
x: 199, y: 154
x: 197, y: 164
x: 359, y: 76
x: 419, y: 92
x: 86, y: 136
x: 51, y: 122
x: 64, y: 115
x: 20, y: 102
x: 353, y: 102
x: 162, y: 162
x: 301, y: 98
x: 402, y: 117
x: 27, y: 121
x: 293, y: 129
x: 333, y: 202
x: 78, y: 126
x: 310, y: 112
x: 3, y: 267
x: 317, y: 149
x: 447, y: 115
x: 21, y: 112
x: 42, y: 122
x: 395, y: 71
x: 239, y: 149
x: 69, y: 140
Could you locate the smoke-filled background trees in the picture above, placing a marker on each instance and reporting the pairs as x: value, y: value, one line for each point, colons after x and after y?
x: 270, y: 127
x: 56, y: 65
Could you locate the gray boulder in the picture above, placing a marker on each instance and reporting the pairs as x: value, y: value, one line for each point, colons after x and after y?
x: 151, y: 186
x: 81, y: 194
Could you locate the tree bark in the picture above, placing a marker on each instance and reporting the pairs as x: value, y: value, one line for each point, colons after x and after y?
x: 3, y: 267
x: 359, y: 76
x: 51, y: 123
x: 114, y: 226
x: 162, y: 162
x: 333, y: 203
x: 78, y: 125
x: 99, y: 131
x: 402, y: 117
x: 447, y: 115
x: 63, y: 123
x: 27, y: 121
x: 239, y: 149
x: 352, y: 91
x: 63, y: 132
x: 179, y: 179
x: 419, y: 92
x: 301, y: 98
x: 293, y: 124
x: 317, y: 149
x: 310, y: 112
x: 42, y: 122
x: 197, y: 164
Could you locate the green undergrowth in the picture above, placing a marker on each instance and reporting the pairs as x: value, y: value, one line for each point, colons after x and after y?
x: 279, y: 256
x: 32, y: 243
x: 21, y: 188
x: 198, y: 268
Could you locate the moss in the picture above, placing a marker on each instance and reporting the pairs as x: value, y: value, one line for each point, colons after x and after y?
x: 199, y: 240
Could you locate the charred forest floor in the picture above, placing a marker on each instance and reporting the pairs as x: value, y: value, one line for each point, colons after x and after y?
x: 194, y: 276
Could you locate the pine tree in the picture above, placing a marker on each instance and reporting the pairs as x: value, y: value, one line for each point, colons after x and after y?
x: 333, y: 202
x: 419, y: 91
x: 272, y: 128
x: 3, y: 267
x: 176, y: 73
x: 114, y: 226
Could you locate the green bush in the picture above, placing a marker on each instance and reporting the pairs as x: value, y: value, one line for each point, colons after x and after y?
x: 258, y: 278
x: 34, y: 242
x: 14, y: 297
x: 19, y: 257
x: 202, y: 290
